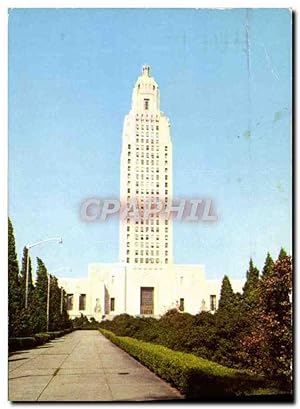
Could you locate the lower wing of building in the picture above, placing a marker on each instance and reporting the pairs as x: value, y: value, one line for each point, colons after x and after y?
x: 113, y: 289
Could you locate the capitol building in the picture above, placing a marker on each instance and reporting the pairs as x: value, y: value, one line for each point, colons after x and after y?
x: 145, y: 282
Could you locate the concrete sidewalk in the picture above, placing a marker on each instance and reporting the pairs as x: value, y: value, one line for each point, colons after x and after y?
x: 82, y: 366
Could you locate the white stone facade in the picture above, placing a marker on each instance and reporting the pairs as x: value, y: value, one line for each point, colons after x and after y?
x: 122, y: 283
x: 146, y: 172
x: 145, y: 282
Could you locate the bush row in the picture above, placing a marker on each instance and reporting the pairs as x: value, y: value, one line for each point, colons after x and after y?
x: 195, y: 377
x: 15, y: 344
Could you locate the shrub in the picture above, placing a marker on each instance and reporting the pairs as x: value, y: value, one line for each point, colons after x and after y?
x: 38, y: 339
x: 41, y: 338
x: 21, y: 343
x: 195, y: 377
x: 83, y: 322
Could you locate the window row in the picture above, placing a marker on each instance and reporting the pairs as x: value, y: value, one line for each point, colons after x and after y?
x: 146, y: 127
x: 143, y: 170
x: 144, y: 245
x: 147, y: 117
x: 147, y: 260
x: 146, y: 142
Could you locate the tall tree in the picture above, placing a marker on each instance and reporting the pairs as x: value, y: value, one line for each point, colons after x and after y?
x: 66, y: 322
x: 267, y: 347
x: 227, y: 297
x: 227, y: 319
x: 249, y: 296
x: 23, y: 278
x: 13, y: 284
x: 252, y: 277
x: 282, y: 254
x: 55, y: 318
x: 269, y: 264
x: 40, y: 298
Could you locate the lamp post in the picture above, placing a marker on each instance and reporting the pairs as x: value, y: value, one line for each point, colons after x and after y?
x: 59, y: 240
x: 48, y: 302
x: 48, y: 294
x: 61, y: 294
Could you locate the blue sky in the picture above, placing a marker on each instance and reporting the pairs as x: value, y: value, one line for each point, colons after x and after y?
x: 225, y: 82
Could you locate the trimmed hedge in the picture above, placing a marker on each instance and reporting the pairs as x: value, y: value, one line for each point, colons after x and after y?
x: 195, y: 377
x: 41, y: 338
x: 21, y: 343
x: 15, y: 344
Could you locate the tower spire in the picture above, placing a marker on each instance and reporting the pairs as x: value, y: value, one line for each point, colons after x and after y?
x: 146, y: 70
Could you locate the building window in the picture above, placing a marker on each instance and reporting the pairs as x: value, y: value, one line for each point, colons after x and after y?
x: 213, y: 302
x: 146, y: 104
x: 181, y: 304
x: 70, y: 299
x: 82, y: 302
x: 112, y: 304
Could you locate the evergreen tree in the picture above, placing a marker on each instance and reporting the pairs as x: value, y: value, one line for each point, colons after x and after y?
x: 66, y: 322
x: 269, y: 264
x: 282, y: 254
x: 13, y: 284
x: 55, y: 318
x: 23, y: 279
x: 252, y: 277
x: 267, y: 347
x: 227, y: 297
x: 249, y: 296
x: 227, y: 325
x: 40, y: 298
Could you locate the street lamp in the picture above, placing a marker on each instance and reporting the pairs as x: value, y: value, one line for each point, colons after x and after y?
x: 58, y: 239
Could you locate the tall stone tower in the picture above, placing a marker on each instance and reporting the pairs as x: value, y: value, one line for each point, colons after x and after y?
x: 146, y: 172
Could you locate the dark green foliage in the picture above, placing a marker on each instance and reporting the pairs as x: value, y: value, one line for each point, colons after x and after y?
x: 19, y: 343
x: 228, y: 323
x: 40, y: 298
x: 15, y: 344
x: 282, y: 254
x: 267, y: 346
x: 14, y: 304
x: 65, y: 320
x: 24, y: 322
x: 195, y: 377
x: 249, y: 298
x: 25, y: 315
x: 252, y: 278
x: 269, y: 263
x: 42, y: 338
x: 56, y: 321
x: 250, y: 330
x: 203, y: 338
x: 227, y: 297
x: 23, y: 279
x: 83, y: 322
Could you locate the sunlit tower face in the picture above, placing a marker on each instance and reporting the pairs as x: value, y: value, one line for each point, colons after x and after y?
x: 146, y: 171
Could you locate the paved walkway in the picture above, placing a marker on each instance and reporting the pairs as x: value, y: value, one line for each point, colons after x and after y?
x: 82, y: 366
